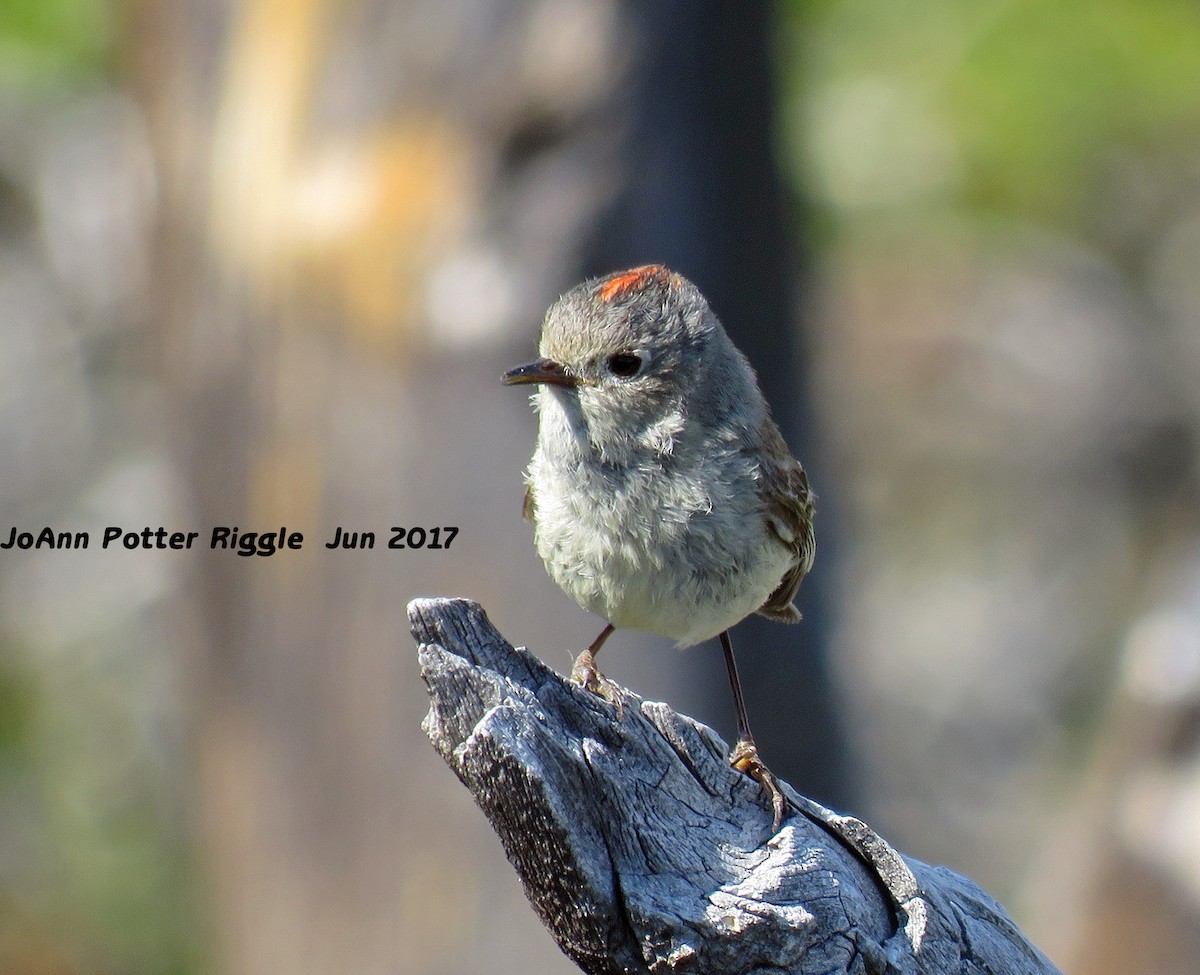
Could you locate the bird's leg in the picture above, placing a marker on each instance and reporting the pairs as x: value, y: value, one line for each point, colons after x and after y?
x: 745, y: 756
x: 586, y: 675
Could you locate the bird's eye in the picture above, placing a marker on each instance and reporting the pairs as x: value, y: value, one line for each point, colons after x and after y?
x: 625, y: 365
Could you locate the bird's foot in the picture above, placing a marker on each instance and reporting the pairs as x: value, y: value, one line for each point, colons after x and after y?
x: 587, y: 675
x: 745, y: 759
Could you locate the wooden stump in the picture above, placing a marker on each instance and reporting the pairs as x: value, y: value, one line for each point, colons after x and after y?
x: 642, y: 850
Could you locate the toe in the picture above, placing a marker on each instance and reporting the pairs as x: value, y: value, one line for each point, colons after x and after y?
x: 745, y: 759
x: 585, y: 674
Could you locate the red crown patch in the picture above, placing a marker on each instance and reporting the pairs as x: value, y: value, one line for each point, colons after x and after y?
x: 632, y: 280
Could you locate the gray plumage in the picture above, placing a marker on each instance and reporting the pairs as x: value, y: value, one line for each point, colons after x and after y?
x: 664, y: 500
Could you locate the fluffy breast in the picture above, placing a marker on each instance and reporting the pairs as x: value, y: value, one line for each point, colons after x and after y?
x: 679, y: 547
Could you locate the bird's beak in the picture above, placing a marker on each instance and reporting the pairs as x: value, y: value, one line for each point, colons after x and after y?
x: 540, y: 371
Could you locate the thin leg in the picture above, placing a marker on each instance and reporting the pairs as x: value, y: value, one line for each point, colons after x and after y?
x: 745, y: 756
x: 597, y: 643
x: 735, y: 685
x: 586, y: 674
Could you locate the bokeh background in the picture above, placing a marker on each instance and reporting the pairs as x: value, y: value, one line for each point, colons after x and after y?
x: 262, y: 263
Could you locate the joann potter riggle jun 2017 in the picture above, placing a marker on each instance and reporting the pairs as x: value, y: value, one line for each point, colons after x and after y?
x: 232, y: 539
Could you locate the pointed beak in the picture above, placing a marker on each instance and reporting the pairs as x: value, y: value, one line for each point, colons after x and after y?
x: 540, y: 371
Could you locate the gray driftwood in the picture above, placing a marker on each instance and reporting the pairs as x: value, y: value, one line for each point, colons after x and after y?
x: 643, y: 851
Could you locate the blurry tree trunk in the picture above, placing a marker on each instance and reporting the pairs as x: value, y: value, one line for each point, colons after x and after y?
x: 296, y: 347
x: 704, y: 194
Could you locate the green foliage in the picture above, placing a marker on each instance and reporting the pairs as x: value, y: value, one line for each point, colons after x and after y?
x: 1051, y: 89
x: 101, y: 871
x: 16, y: 706
x: 1016, y: 107
x: 47, y: 41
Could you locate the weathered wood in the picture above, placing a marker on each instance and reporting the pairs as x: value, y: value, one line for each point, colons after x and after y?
x: 642, y: 850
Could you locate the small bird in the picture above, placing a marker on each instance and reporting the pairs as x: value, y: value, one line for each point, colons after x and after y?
x: 662, y: 494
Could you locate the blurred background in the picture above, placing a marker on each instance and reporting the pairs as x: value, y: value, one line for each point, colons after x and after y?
x: 262, y: 264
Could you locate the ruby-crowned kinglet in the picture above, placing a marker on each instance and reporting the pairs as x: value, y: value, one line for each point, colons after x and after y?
x: 663, y: 496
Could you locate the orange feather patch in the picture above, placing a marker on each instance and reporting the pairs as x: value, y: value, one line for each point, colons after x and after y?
x: 629, y: 281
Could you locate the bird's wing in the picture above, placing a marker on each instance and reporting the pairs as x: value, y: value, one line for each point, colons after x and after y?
x: 788, y: 499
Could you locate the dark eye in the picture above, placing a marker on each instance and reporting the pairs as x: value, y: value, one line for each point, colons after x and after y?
x: 625, y: 364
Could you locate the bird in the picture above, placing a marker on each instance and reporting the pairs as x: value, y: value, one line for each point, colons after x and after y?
x: 663, y: 497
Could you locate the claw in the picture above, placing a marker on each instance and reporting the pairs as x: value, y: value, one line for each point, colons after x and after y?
x: 587, y: 675
x: 745, y: 759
